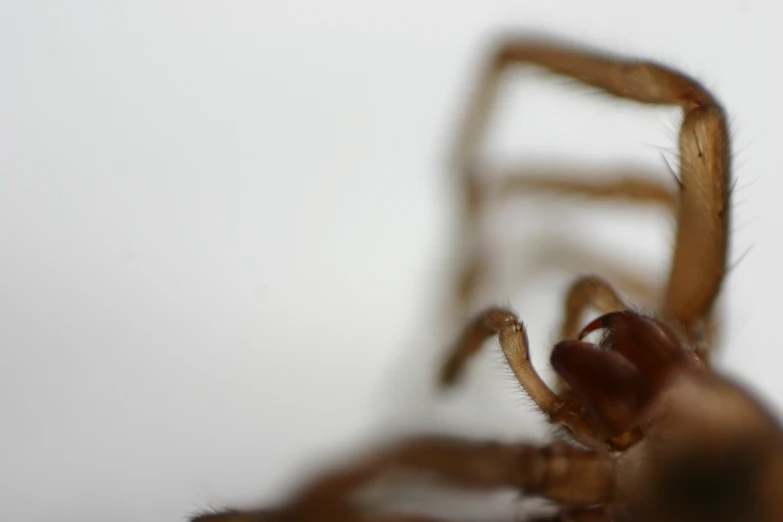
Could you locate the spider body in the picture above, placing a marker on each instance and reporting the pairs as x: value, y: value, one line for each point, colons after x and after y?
x: 705, y: 450
x: 656, y: 434
x: 710, y: 453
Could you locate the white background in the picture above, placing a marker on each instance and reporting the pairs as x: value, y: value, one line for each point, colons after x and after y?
x: 225, y: 227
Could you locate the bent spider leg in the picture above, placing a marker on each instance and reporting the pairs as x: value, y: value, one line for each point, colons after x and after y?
x: 699, y: 258
x: 584, y: 293
x: 514, y: 344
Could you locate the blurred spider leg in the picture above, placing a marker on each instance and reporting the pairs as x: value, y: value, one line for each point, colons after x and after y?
x: 560, y: 472
x: 457, y: 462
x: 390, y: 518
x: 330, y: 514
x: 598, y: 514
x: 568, y: 475
x: 584, y: 293
x: 699, y: 258
x: 469, y: 278
x: 461, y: 463
x: 625, y: 184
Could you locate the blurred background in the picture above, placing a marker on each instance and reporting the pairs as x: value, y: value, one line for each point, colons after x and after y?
x: 227, y: 229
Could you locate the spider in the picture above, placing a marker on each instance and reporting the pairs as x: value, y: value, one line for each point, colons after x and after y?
x: 655, y: 433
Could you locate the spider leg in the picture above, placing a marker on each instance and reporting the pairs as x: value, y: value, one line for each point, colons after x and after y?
x: 568, y: 475
x: 627, y: 184
x: 699, y: 258
x: 559, y: 472
x: 624, y: 184
x: 328, y: 515
x: 598, y: 514
x: 584, y: 293
x: 514, y: 344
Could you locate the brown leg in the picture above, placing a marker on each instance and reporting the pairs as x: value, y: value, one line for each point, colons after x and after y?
x: 579, y: 515
x: 469, y: 278
x: 628, y: 184
x: 584, y: 293
x: 562, y: 473
x: 514, y: 343
x: 699, y: 260
x: 331, y: 514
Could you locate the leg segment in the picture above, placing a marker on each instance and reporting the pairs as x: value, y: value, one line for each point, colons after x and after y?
x: 579, y: 515
x: 559, y: 472
x: 513, y: 341
x: 699, y: 260
x: 626, y: 184
x: 584, y: 293
x: 331, y: 514
x: 562, y: 473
